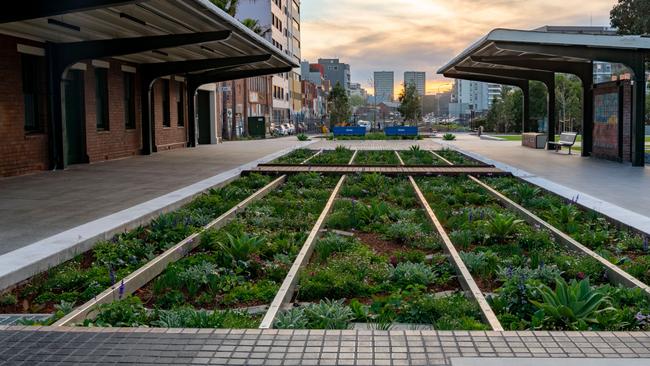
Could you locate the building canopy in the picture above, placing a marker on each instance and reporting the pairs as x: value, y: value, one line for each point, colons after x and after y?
x: 70, y: 22
x: 514, y: 57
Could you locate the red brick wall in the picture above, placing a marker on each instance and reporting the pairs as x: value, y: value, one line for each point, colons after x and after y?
x: 175, y: 136
x: 627, y: 122
x: 20, y: 152
x: 118, y: 141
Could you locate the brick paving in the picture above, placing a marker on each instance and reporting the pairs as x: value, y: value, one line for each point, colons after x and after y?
x: 149, y: 346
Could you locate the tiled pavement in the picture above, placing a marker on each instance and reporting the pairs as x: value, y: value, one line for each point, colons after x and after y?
x: 143, y: 346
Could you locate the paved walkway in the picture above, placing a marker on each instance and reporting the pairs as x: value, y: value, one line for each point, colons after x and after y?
x: 37, y: 206
x: 610, y: 187
x: 145, y: 346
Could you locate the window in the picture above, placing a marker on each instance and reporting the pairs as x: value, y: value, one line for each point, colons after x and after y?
x: 129, y: 100
x: 165, y: 104
x: 101, y: 99
x: 32, y: 70
x: 180, y: 103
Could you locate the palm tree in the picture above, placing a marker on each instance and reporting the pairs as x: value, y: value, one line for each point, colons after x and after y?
x: 229, y: 6
x: 253, y: 24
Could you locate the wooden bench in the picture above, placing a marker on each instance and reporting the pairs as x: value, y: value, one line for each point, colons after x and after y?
x: 567, y: 139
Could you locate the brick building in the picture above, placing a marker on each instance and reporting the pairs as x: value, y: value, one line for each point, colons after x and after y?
x: 83, y: 83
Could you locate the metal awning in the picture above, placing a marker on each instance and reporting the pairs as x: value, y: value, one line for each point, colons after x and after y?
x: 561, y: 47
x: 514, y: 57
x: 128, y: 19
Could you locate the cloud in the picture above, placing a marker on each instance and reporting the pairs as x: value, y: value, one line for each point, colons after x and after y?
x: 422, y: 35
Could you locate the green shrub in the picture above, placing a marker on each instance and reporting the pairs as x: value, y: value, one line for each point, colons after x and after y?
x: 408, y: 273
x: 8, y: 300
x: 302, y: 137
x: 571, y: 306
x: 331, y: 244
x: 449, y: 137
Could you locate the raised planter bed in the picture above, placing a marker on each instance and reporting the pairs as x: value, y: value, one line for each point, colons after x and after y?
x: 381, y: 264
x: 295, y: 157
x: 234, y: 270
x: 415, y: 156
x: 74, y: 282
x: 341, y: 155
x: 620, y: 245
x: 376, y: 157
x: 524, y: 272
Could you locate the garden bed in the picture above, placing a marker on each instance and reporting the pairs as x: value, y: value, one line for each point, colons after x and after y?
x: 457, y: 158
x: 380, y: 264
x: 295, y: 157
x: 340, y: 156
x: 74, y: 282
x: 531, y: 281
x: 416, y: 156
x: 235, y: 269
x: 620, y: 245
x: 376, y: 157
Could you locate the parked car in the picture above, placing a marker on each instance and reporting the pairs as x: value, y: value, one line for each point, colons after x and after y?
x: 366, y: 124
x: 290, y: 130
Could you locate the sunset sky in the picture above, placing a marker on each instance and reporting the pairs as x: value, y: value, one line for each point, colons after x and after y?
x: 422, y: 35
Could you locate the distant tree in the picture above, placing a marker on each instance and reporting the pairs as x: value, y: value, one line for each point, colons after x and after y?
x: 229, y: 6
x: 538, y: 100
x: 338, y: 104
x: 357, y: 101
x: 631, y: 16
x: 410, y: 103
x: 568, y: 99
x: 513, y: 111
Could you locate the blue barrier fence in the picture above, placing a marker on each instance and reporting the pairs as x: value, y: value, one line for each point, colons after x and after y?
x: 401, y: 131
x: 349, y: 131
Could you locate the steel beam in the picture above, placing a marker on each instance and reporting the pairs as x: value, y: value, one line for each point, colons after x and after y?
x: 542, y: 76
x: 161, y: 69
x: 62, y: 55
x: 546, y: 77
x: 33, y: 9
x: 577, y: 52
x: 583, y: 70
x: 149, y: 73
x: 70, y: 53
x: 522, y: 84
x: 194, y: 81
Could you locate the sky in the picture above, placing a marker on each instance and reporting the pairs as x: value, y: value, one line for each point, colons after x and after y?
x: 422, y: 35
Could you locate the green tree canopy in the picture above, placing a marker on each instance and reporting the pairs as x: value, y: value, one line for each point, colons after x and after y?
x: 410, y: 103
x: 505, y: 113
x: 631, y: 16
x: 357, y: 101
x: 229, y: 6
x: 338, y: 104
x: 568, y: 98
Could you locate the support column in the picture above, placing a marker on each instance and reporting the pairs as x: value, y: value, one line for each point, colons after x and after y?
x: 526, y: 107
x: 550, y: 86
x: 638, y: 112
x: 146, y: 90
x: 587, y: 114
x: 55, y: 86
x: 192, y: 89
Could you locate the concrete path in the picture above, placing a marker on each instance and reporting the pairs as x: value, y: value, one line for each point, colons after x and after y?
x: 37, y: 206
x: 146, y: 346
x: 618, y: 190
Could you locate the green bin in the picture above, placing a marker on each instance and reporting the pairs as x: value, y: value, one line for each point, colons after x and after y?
x: 257, y: 127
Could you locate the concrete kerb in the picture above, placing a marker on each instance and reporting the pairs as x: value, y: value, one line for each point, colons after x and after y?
x: 616, y: 213
x: 21, y: 264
